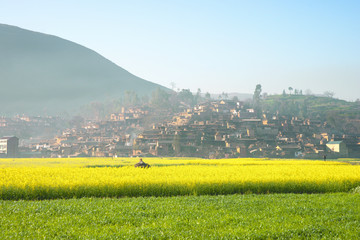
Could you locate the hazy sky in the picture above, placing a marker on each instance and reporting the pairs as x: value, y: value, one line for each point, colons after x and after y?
x: 218, y: 46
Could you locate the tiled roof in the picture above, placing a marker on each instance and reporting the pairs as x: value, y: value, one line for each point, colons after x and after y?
x: 7, y: 137
x: 334, y: 142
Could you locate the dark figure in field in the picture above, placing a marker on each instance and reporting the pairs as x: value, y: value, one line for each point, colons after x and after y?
x: 142, y: 164
x: 324, y: 157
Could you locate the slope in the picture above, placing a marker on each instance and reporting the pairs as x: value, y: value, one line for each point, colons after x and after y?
x: 40, y: 73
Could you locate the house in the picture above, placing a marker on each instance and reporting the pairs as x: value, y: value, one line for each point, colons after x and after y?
x: 219, y: 137
x: 164, y: 147
x: 288, y: 150
x: 9, y: 146
x: 241, y: 150
x: 137, y: 152
x: 338, y: 148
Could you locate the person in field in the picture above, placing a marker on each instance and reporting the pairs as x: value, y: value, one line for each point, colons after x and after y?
x: 142, y: 164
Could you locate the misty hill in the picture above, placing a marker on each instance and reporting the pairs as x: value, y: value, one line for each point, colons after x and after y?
x: 340, y: 114
x: 240, y: 96
x: 40, y: 73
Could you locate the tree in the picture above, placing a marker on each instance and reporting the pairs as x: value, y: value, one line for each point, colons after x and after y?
x: 76, y: 121
x: 186, y: 96
x: 304, y: 108
x: 335, y: 120
x: 257, y: 94
x: 131, y: 98
x: 290, y: 89
x: 329, y: 94
x: 284, y: 93
x: 257, y: 99
x: 159, y: 98
x: 350, y: 128
x: 173, y: 86
x: 235, y: 99
x: 97, y: 110
x: 207, y: 96
x: 308, y: 92
x: 198, y: 96
x: 224, y: 95
x: 145, y: 99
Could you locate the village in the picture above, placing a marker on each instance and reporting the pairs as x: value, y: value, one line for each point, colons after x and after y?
x: 213, y: 129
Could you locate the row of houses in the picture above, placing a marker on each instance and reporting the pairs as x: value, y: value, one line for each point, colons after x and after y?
x: 213, y: 129
x: 228, y: 129
x: 111, y: 137
x: 25, y: 127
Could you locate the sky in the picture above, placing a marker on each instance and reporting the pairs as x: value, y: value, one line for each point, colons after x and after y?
x: 217, y: 46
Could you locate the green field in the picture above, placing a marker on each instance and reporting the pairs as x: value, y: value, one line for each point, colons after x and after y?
x: 186, y: 199
x: 273, y: 216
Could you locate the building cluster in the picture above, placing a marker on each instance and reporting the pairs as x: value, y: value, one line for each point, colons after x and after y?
x: 28, y: 128
x: 113, y: 137
x: 216, y: 129
x: 228, y: 129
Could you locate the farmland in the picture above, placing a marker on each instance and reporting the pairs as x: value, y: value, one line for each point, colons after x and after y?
x: 269, y: 216
x: 179, y: 198
x: 63, y: 178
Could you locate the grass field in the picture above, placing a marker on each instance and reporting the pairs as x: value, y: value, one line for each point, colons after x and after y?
x: 69, y: 178
x: 269, y: 216
x: 104, y: 198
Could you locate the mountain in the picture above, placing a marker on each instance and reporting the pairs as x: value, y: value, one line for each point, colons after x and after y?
x: 41, y: 73
x: 240, y: 96
x: 341, y: 115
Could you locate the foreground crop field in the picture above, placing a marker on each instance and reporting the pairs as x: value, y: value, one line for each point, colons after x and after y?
x: 69, y: 178
x: 268, y: 216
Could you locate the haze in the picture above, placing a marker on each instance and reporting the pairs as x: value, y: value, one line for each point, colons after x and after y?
x: 218, y: 46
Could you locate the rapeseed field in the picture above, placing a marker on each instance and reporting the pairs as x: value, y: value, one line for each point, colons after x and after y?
x: 107, y: 177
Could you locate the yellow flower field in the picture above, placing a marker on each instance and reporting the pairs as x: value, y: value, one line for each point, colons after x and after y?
x: 106, y: 177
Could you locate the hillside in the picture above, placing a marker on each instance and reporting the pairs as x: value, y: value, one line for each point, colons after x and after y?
x: 41, y: 73
x: 340, y: 114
